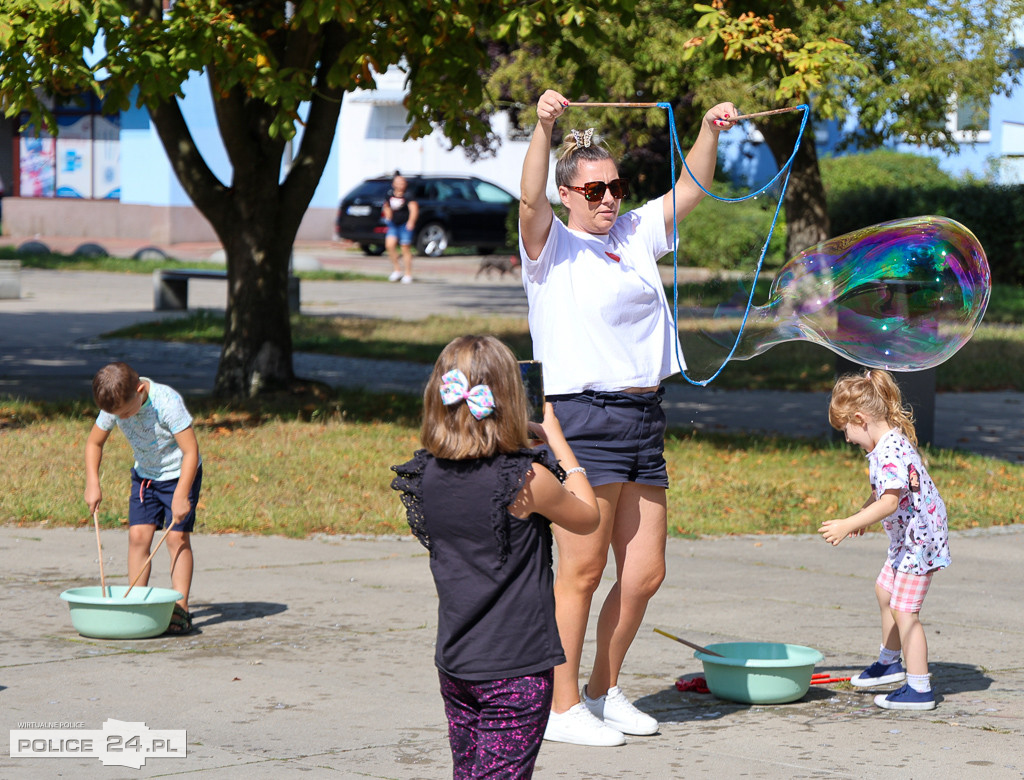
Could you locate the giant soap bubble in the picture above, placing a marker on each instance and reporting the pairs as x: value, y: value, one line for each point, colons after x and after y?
x: 902, y: 295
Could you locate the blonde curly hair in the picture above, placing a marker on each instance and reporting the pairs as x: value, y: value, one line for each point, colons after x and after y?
x: 873, y: 393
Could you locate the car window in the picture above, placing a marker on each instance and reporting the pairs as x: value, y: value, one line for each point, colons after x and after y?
x: 488, y: 193
x: 459, y: 189
x: 370, y: 190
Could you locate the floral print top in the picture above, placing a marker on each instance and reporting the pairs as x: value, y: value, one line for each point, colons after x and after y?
x: 917, y: 531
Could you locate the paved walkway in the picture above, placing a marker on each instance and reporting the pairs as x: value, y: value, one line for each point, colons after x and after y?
x: 316, y: 656
x: 50, y: 346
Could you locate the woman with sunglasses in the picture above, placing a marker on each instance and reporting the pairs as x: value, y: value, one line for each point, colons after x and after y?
x: 603, y: 330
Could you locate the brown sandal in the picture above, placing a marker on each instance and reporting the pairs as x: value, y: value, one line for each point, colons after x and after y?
x: 181, y: 622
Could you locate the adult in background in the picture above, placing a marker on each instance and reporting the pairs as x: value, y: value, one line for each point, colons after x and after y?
x: 603, y: 329
x: 400, y: 214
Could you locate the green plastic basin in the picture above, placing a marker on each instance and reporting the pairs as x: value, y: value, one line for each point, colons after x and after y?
x: 106, y: 614
x: 759, y: 672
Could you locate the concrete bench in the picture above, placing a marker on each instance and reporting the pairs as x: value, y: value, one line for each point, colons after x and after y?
x: 170, y: 287
x: 10, y: 278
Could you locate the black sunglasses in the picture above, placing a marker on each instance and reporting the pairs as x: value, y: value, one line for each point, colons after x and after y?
x: 593, y: 191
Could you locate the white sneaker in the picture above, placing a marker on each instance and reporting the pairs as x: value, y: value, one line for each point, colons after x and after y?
x: 395, y: 276
x: 616, y: 711
x: 578, y: 727
x: 406, y: 279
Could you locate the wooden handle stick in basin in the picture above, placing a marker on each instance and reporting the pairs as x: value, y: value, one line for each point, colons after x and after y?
x: 689, y: 644
x: 99, y: 547
x: 146, y: 564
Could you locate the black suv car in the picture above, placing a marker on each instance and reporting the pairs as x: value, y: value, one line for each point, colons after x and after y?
x: 454, y: 211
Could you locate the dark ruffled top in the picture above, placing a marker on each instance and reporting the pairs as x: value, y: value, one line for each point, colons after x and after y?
x: 492, y: 570
x: 510, y: 472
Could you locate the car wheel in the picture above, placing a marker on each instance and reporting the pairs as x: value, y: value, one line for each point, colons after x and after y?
x: 432, y: 240
x: 372, y: 249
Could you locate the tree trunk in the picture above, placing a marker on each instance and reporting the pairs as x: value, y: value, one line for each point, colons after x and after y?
x: 256, y: 231
x: 257, y: 351
x: 807, y: 221
x: 256, y: 219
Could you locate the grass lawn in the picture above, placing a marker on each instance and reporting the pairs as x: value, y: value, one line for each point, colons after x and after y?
x: 304, y: 464
x: 55, y: 261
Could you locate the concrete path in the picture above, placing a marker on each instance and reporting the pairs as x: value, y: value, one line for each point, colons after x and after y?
x: 315, y: 658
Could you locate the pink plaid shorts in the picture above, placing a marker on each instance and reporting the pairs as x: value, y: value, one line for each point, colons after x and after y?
x: 908, y: 590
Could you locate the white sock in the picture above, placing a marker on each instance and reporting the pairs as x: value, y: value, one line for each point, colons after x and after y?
x: 887, y: 656
x: 920, y: 682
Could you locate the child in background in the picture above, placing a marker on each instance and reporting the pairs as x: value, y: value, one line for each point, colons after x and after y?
x: 166, y: 477
x: 869, y: 409
x: 482, y: 502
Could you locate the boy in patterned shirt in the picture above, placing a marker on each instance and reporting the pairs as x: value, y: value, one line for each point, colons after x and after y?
x: 166, y: 477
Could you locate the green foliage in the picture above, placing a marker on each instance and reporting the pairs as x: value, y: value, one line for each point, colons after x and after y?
x: 868, y: 189
x: 781, y: 53
x: 995, y: 214
x: 276, y: 54
x: 730, y: 236
x: 881, y: 169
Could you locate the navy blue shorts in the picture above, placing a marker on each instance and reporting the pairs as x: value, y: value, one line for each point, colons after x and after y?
x: 150, y: 501
x: 617, y: 437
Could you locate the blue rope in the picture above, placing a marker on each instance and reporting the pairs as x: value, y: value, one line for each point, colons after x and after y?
x: 787, y: 169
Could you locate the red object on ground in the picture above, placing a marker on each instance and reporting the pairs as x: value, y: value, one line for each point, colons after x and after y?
x: 826, y: 677
x: 697, y: 685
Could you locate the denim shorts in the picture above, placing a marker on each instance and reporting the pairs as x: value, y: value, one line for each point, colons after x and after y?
x: 150, y: 502
x: 617, y: 437
x: 401, y: 232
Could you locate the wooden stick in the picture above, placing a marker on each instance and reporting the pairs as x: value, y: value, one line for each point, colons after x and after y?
x: 772, y: 112
x: 689, y: 644
x: 612, y: 105
x: 146, y: 564
x: 766, y: 113
x: 103, y: 577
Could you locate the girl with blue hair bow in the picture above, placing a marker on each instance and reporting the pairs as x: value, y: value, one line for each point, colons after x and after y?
x: 482, y: 501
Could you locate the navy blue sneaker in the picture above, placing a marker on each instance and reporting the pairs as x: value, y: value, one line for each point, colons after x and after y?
x: 879, y: 674
x: 906, y: 698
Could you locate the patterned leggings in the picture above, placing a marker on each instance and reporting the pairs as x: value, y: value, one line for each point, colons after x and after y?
x: 495, y: 727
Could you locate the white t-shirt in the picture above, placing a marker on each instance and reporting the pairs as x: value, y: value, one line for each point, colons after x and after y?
x: 151, y: 431
x: 599, y: 317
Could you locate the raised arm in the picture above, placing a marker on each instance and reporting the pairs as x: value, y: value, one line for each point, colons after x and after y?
x: 701, y: 161
x: 535, y: 212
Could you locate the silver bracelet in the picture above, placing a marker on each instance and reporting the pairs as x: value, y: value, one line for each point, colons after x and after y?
x: 579, y: 469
